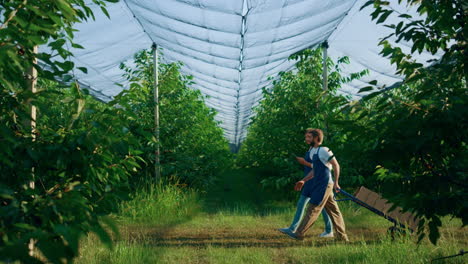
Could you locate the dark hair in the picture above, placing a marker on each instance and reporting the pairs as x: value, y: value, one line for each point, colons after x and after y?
x: 316, y: 133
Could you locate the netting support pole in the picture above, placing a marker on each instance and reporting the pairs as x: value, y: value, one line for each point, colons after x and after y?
x: 325, y: 76
x: 30, y: 124
x: 325, y: 68
x: 157, y: 165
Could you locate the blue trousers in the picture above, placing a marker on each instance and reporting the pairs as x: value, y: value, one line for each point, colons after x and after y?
x: 301, y: 205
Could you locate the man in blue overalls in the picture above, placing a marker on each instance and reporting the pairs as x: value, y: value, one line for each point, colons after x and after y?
x: 319, y: 187
x: 304, y: 200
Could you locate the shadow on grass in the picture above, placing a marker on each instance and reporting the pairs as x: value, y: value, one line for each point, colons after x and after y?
x: 272, y: 241
x: 262, y: 237
x: 241, y: 191
x: 280, y: 244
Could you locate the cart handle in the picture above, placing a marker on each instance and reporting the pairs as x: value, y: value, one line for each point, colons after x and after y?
x: 340, y: 200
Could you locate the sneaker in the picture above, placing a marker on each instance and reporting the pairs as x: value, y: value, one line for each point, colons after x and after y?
x: 292, y: 235
x: 284, y: 230
x: 325, y: 234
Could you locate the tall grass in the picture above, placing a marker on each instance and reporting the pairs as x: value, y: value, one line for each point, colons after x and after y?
x: 160, y: 205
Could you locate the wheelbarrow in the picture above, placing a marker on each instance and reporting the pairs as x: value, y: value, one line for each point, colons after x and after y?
x: 376, y: 204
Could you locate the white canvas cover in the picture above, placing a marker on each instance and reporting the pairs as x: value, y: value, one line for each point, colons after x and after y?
x: 231, y: 47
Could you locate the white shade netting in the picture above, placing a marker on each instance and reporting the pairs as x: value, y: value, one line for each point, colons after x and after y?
x: 232, y: 47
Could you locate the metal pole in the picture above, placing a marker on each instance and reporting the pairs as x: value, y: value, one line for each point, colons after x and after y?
x: 325, y: 77
x: 325, y: 68
x: 31, y: 80
x: 31, y: 124
x: 32, y: 74
x: 157, y: 167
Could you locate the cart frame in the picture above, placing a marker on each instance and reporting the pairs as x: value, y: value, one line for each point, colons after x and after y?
x: 397, y: 224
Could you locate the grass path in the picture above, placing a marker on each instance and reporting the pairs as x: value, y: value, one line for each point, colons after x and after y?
x: 236, y: 221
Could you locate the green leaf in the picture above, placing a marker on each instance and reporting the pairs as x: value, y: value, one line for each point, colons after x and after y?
x: 366, y: 89
x: 384, y: 16
x: 104, y: 10
x: 434, y: 234
x: 77, y: 46
x: 66, y: 9
x: 103, y: 235
x: 367, y: 4
x: 405, y: 16
x: 24, y: 226
x: 83, y: 69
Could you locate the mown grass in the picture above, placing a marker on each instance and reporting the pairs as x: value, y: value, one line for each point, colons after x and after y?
x: 235, y: 222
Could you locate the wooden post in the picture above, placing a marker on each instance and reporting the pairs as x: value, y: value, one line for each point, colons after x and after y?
x: 157, y: 167
x: 325, y: 68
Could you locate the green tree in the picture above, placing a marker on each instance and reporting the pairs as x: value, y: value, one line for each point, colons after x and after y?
x: 296, y: 102
x: 193, y: 149
x: 421, y: 142
x: 86, y: 155
x: 77, y: 171
x: 409, y: 143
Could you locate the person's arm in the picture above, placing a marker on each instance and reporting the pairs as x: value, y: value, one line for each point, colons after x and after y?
x: 303, y: 162
x: 300, y: 183
x: 336, y: 171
